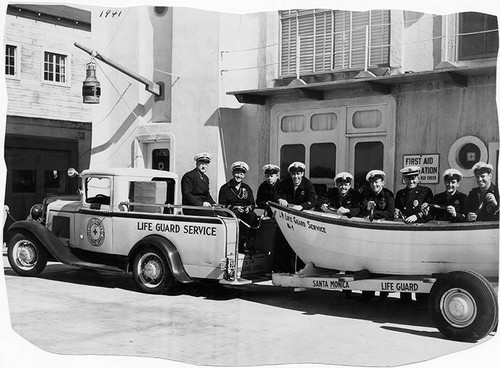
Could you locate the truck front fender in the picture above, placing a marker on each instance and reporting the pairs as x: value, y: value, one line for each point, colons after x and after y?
x: 169, y: 250
x: 52, y: 243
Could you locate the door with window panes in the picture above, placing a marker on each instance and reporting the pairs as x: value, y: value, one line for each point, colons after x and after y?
x: 329, y: 140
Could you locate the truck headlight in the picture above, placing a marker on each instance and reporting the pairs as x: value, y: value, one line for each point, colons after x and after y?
x: 36, y: 212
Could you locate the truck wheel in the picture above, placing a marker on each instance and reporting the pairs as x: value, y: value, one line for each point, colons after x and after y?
x: 26, y: 255
x: 151, y: 271
x: 464, y: 306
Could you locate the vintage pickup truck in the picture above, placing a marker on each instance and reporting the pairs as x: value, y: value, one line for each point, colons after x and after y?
x: 127, y: 220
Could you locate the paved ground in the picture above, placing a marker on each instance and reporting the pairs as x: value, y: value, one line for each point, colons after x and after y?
x: 72, y: 311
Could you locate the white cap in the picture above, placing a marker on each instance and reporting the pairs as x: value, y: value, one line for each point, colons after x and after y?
x: 482, y: 167
x: 205, y: 156
x: 410, y: 170
x: 453, y: 174
x: 374, y: 174
x: 271, y: 168
x: 239, y: 165
x: 296, y: 166
x: 345, y: 176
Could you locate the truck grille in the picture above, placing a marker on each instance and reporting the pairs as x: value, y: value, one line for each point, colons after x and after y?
x: 60, y: 226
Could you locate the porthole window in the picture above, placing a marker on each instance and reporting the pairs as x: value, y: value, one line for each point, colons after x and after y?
x: 465, y: 153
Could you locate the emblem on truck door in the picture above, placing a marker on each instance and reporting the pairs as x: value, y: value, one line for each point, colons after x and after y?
x: 95, y: 232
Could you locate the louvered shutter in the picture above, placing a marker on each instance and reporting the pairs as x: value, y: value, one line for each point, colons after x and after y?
x: 332, y: 39
x: 288, y: 41
x: 315, y: 29
x: 350, y: 38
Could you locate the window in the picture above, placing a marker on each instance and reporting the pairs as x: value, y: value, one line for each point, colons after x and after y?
x: 10, y: 60
x: 291, y: 153
x: 478, y: 36
x: 367, y: 156
x: 54, y: 180
x: 323, y: 121
x: 24, y: 181
x: 54, y: 67
x: 98, y: 190
x: 293, y: 123
x: 161, y: 159
x: 329, y: 40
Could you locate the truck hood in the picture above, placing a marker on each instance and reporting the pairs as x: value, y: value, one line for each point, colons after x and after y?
x: 64, y: 206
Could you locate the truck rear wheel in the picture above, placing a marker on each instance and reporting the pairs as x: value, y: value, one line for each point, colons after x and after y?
x: 26, y: 255
x: 151, y: 271
x: 464, y: 306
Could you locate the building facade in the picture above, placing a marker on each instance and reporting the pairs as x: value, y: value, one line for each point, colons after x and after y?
x: 338, y: 90
x: 48, y: 128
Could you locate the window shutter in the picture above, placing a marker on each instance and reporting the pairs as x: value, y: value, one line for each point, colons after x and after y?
x: 350, y: 38
x: 288, y: 41
x: 332, y: 39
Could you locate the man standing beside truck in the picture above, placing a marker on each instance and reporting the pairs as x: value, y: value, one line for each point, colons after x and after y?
x: 195, y: 186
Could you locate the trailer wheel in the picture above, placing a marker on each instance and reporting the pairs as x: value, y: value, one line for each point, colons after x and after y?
x: 464, y: 306
x: 151, y: 271
x: 26, y: 255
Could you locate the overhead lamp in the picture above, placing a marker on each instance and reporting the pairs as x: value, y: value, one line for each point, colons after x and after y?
x: 91, y: 90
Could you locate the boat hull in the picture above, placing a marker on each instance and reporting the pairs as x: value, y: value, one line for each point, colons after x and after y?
x: 389, y: 247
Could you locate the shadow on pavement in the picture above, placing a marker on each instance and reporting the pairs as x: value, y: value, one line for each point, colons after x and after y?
x: 309, y: 302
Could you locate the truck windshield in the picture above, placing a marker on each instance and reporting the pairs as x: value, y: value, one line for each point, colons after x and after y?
x: 98, y: 190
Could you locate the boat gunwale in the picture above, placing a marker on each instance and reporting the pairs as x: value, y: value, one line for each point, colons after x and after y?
x: 391, y: 225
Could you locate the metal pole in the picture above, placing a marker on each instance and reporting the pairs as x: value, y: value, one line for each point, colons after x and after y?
x: 297, y: 62
x: 445, y: 37
x: 366, y: 47
x: 150, y: 86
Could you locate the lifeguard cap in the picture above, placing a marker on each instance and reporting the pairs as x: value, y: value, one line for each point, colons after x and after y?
x: 271, y: 169
x: 410, y: 170
x: 451, y: 174
x: 296, y: 167
x: 343, y: 177
x: 239, y: 165
x: 203, y: 156
x: 481, y: 168
x: 374, y: 175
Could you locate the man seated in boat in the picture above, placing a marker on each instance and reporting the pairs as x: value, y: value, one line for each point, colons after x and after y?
x: 377, y: 202
x: 268, y: 189
x: 296, y: 190
x: 482, y: 202
x: 238, y: 197
x: 450, y: 204
x: 195, y: 186
x: 343, y: 199
x: 412, y: 202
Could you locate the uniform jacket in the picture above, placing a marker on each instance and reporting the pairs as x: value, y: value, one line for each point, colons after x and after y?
x: 229, y: 196
x: 265, y: 193
x: 408, y: 201
x: 195, y: 189
x: 352, y: 200
x: 384, y: 204
x: 475, y: 203
x: 305, y: 195
x: 457, y: 200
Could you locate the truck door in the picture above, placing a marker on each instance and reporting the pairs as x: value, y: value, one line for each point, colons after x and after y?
x: 94, y: 225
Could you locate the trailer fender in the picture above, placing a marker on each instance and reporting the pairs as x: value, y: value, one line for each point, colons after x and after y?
x: 48, y: 239
x: 169, y: 250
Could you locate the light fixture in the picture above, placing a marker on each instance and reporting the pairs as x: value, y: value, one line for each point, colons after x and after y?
x: 91, y: 90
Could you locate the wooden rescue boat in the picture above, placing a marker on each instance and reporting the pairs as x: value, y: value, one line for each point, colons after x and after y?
x: 390, y: 247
